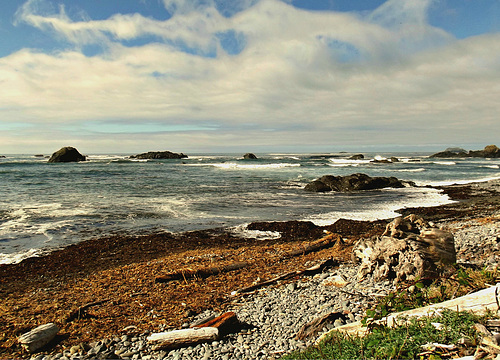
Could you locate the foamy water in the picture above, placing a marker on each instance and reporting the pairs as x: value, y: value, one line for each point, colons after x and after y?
x: 45, y: 206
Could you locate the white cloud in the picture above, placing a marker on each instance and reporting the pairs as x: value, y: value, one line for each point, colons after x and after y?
x: 301, y: 77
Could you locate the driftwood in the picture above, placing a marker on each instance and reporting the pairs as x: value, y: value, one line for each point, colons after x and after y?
x: 185, y: 337
x: 200, y: 273
x: 312, y: 270
x: 412, y: 251
x: 78, y: 313
x: 315, y: 326
x: 38, y: 337
x: 479, y: 303
x: 227, y: 323
x: 328, y: 240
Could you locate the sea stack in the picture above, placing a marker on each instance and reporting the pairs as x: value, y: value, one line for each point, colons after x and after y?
x: 67, y: 154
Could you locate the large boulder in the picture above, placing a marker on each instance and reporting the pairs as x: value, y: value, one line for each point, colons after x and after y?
x: 354, y: 182
x: 67, y: 154
x: 159, y: 155
x: 249, y: 156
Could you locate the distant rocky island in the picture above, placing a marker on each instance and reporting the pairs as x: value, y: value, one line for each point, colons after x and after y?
x: 159, y: 155
x: 490, y: 151
x: 66, y: 154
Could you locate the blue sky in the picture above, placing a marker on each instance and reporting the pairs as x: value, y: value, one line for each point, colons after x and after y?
x: 248, y: 75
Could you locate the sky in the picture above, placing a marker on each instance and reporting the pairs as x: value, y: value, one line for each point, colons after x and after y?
x: 199, y: 76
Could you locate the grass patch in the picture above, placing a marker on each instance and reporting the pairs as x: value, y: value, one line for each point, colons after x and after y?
x: 406, y: 341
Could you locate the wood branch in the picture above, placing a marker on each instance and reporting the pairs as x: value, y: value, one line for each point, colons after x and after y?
x: 78, y: 313
x: 38, y: 337
x: 479, y: 303
x: 185, y: 337
x: 313, y: 327
x: 312, y: 270
x: 227, y: 323
x: 316, y: 245
x: 200, y: 273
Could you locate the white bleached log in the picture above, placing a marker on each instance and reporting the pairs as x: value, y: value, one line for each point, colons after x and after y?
x: 38, y: 337
x: 185, y: 337
x: 479, y: 302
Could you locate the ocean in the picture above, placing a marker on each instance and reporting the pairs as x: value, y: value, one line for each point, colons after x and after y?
x: 45, y: 206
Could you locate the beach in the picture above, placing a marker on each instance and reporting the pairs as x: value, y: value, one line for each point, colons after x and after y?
x: 116, y: 275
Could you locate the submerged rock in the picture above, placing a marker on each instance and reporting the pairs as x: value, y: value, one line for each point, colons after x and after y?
x: 354, y: 182
x: 67, y: 154
x: 159, y: 155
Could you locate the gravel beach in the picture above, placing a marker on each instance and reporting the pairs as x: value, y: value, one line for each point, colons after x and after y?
x: 121, y: 274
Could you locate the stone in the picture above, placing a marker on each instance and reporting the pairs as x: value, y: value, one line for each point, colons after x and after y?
x: 38, y: 337
x: 66, y: 154
x: 357, y: 157
x: 490, y: 151
x: 354, y: 182
x: 249, y: 156
x: 159, y: 155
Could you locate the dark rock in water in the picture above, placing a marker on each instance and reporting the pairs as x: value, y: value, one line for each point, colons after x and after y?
x: 354, y: 182
x: 385, y: 161
x: 39, y: 155
x: 159, y: 155
x: 2, y: 156
x: 249, y: 156
x: 66, y: 154
x: 490, y: 151
x: 357, y: 157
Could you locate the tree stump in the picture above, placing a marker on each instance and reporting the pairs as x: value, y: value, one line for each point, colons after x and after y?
x: 411, y: 252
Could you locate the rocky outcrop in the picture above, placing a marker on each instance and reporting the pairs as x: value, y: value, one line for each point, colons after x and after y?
x: 249, y: 156
x: 357, y: 157
x: 354, y: 182
x: 159, y: 155
x: 490, y: 151
x: 66, y: 154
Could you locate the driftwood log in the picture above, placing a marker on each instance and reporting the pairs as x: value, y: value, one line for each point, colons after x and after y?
x: 227, y: 323
x: 38, y: 337
x: 290, y: 275
x: 79, y: 312
x: 326, y: 241
x: 185, y: 337
x: 480, y: 302
x: 412, y: 251
x: 315, y: 326
x: 200, y: 273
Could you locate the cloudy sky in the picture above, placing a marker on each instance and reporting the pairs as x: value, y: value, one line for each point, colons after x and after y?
x: 248, y: 75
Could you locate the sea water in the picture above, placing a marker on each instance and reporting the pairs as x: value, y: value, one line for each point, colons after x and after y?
x: 44, y: 206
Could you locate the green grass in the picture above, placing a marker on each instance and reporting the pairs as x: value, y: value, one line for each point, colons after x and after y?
x: 402, y: 342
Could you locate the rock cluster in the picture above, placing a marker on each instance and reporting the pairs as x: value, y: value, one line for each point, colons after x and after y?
x: 159, y: 155
x: 249, y: 156
x: 490, y: 151
x: 354, y: 182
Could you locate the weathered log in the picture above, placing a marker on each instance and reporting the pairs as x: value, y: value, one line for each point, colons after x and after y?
x: 79, y: 312
x: 227, y: 323
x: 185, y: 337
x: 38, y: 337
x: 412, y: 252
x: 309, y: 271
x: 316, y: 245
x: 480, y: 302
x: 200, y: 273
x: 313, y: 327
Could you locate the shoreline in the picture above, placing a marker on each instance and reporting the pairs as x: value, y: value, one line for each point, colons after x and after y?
x: 122, y: 268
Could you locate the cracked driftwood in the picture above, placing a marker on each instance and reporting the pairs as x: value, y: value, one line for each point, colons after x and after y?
x: 184, y: 337
x: 38, y: 337
x: 479, y: 302
x: 412, y: 251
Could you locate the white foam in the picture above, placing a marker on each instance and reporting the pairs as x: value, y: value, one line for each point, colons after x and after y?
x: 20, y: 256
x: 235, y: 166
x: 411, y: 170
x: 242, y: 231
x: 463, y: 182
x: 491, y: 166
x: 448, y: 163
x: 413, y: 197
